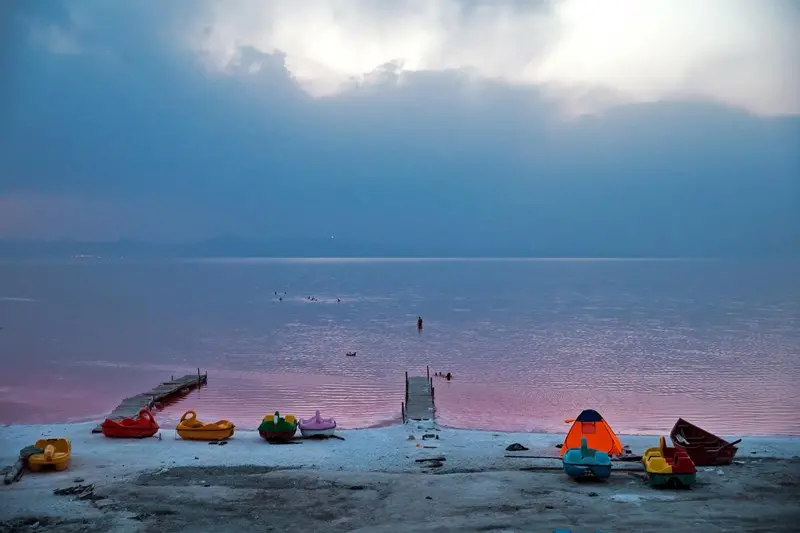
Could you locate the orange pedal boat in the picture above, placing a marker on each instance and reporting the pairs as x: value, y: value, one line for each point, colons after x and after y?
x: 190, y: 428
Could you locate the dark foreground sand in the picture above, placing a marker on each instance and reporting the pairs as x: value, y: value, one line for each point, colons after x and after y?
x: 760, y: 495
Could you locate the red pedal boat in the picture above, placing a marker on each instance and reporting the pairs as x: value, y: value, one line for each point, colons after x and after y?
x: 140, y: 427
x: 705, y: 449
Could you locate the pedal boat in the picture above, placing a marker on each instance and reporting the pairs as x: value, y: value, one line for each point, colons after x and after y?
x: 275, y: 428
x: 55, y: 453
x: 585, y: 462
x: 141, y: 426
x: 190, y: 428
x: 316, y: 426
x: 669, y: 467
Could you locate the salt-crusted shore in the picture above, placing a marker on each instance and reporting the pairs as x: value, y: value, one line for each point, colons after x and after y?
x: 372, y: 481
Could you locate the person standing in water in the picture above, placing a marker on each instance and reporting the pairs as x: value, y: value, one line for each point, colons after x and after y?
x: 419, y: 324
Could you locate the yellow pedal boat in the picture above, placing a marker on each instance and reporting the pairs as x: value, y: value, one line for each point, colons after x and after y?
x: 56, y: 454
x: 190, y: 428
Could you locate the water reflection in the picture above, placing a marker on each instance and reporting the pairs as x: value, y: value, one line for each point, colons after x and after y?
x: 529, y: 343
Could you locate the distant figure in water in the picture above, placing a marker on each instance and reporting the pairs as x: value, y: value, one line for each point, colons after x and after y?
x: 419, y: 324
x: 280, y: 298
x: 338, y: 300
x: 448, y: 376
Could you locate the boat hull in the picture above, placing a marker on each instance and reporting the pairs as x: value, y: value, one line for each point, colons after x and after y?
x: 323, y: 432
x: 672, y: 480
x: 580, y: 471
x: 277, y: 436
x: 205, y: 434
x: 121, y: 432
x: 704, y: 448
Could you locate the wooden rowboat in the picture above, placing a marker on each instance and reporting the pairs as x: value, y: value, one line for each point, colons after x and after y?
x: 705, y: 449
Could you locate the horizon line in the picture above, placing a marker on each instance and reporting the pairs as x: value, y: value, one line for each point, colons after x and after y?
x: 367, y: 258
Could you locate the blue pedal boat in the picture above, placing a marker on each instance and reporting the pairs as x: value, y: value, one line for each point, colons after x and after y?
x: 585, y: 462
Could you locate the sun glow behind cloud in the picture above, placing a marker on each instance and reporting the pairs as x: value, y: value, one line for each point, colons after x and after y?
x: 737, y: 52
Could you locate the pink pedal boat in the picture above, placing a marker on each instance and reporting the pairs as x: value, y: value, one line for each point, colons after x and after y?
x: 316, y: 426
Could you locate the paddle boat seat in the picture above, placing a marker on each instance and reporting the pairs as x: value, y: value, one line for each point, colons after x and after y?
x: 662, y: 450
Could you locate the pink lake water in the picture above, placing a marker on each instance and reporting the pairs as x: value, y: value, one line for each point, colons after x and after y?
x: 529, y: 342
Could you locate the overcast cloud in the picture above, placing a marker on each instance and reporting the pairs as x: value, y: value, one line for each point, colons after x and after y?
x: 519, y: 123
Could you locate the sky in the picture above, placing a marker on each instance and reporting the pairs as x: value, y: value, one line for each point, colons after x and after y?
x: 531, y: 125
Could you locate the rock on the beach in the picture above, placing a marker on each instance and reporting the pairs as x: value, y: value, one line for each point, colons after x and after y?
x: 516, y: 447
x: 76, y: 489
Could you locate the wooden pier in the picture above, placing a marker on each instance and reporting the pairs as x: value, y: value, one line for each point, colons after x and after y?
x: 420, y: 394
x: 130, y: 407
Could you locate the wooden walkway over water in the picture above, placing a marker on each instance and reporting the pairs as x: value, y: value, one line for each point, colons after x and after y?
x: 130, y: 407
x: 420, y: 394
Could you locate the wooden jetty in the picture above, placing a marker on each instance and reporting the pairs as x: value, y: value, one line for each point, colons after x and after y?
x: 130, y: 407
x: 420, y: 394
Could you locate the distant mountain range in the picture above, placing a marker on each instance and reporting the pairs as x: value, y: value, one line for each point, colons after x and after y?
x: 237, y: 247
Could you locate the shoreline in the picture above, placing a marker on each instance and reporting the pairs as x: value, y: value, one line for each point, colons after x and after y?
x: 93, y: 421
x: 176, y: 485
x: 97, y: 418
x: 16, y: 436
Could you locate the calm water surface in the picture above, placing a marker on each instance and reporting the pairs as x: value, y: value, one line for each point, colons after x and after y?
x: 530, y: 342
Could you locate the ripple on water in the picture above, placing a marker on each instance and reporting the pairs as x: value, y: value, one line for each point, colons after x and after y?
x: 529, y: 343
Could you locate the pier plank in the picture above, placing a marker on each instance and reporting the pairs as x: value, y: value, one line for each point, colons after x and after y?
x: 420, y: 403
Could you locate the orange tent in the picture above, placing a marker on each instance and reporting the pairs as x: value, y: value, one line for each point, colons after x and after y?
x: 598, y: 433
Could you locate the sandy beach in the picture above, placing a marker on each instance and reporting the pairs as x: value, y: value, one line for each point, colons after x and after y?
x: 374, y: 480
